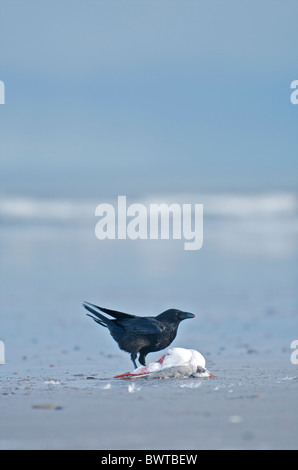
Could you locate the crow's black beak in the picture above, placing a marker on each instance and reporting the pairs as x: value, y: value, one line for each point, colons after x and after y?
x: 184, y: 315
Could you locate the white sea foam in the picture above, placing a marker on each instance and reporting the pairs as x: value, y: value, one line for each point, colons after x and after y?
x: 220, y: 205
x: 21, y: 208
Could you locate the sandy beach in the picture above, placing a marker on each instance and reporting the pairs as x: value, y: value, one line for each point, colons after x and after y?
x: 251, y: 404
x: 56, y: 387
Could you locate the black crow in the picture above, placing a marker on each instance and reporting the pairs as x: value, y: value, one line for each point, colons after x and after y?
x: 139, y: 334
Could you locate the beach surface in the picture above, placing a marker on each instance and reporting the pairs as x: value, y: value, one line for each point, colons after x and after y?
x: 57, y: 389
x: 250, y: 404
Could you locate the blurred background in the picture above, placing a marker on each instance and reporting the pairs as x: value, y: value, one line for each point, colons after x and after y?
x: 165, y: 100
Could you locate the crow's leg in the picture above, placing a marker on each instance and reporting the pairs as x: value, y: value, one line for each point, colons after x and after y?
x: 133, y: 357
x: 142, y: 359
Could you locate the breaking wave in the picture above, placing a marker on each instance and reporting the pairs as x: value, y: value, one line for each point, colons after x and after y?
x: 215, y: 205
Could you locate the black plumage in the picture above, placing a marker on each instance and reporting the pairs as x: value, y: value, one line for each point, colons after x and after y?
x: 139, y: 335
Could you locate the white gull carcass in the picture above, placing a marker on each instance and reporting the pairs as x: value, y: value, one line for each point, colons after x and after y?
x: 176, y: 363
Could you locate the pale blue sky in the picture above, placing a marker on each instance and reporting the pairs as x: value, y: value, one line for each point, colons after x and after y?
x: 128, y: 97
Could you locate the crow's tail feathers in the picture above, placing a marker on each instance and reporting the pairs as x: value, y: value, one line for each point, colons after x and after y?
x: 113, y: 313
x: 99, y: 318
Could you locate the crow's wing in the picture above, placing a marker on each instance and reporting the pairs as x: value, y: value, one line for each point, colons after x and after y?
x: 141, y: 325
x: 113, y: 313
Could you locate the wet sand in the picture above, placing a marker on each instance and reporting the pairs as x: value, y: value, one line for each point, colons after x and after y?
x: 251, y: 404
x: 57, y: 389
